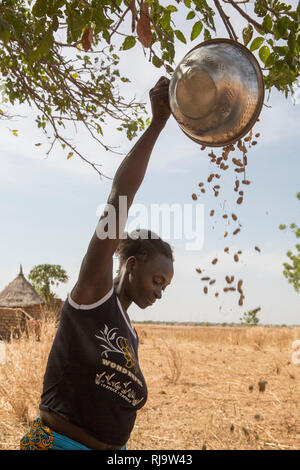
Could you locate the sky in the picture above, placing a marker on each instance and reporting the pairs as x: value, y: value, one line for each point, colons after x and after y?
x: 49, y: 206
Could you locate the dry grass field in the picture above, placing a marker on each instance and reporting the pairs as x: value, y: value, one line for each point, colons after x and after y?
x: 209, y: 387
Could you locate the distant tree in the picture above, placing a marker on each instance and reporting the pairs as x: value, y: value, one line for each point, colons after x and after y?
x: 44, y: 275
x: 292, y: 270
x: 250, y: 318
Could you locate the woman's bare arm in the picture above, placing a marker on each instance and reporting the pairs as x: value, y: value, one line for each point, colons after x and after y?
x: 95, y: 278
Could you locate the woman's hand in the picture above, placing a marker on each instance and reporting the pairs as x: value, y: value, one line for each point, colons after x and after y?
x: 159, y: 96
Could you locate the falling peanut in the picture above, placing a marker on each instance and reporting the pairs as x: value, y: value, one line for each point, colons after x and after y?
x: 223, y: 162
x: 256, y: 310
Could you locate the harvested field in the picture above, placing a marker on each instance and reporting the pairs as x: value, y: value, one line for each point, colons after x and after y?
x: 209, y: 387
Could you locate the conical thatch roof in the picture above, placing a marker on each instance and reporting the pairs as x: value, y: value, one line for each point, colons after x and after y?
x: 19, y: 293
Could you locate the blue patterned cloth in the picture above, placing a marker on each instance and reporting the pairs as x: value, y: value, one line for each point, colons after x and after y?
x: 41, y: 437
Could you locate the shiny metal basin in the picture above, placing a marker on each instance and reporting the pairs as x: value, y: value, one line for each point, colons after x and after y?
x: 216, y: 92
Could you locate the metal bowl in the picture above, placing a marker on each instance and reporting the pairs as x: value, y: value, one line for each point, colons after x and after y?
x: 216, y: 92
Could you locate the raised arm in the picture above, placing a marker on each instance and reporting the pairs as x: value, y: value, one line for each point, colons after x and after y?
x: 96, y: 273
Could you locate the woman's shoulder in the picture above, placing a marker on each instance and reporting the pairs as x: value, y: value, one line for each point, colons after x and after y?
x: 89, y: 299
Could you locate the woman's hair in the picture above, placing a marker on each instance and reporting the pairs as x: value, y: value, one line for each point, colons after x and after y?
x: 143, y: 245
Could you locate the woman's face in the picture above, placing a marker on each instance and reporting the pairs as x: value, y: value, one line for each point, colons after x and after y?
x: 148, y: 279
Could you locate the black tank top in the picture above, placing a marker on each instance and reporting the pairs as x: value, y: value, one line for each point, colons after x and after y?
x: 93, y: 378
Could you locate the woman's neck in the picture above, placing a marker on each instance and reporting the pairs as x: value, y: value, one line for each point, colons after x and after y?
x: 119, y: 285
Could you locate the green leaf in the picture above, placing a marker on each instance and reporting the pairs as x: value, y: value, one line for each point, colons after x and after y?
x: 267, y: 23
x: 45, y: 45
x: 281, y: 50
x: 277, y: 34
x: 264, y: 53
x: 259, y: 29
x: 247, y: 34
x: 197, y: 28
x: 55, y: 23
x: 165, y: 20
x: 259, y: 9
x: 75, y: 27
x: 256, y: 43
x: 207, y: 35
x: 292, y: 42
x: 156, y: 61
x: 39, y: 9
x: 106, y: 36
x: 282, y: 25
x: 17, y: 23
x: 129, y: 42
x: 171, y: 8
x: 4, y: 35
x: 191, y: 14
x: 270, y: 60
x: 187, y: 3
x: 180, y: 36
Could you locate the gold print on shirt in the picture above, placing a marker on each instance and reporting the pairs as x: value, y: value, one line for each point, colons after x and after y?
x: 118, y: 344
x: 122, y: 389
x: 128, y: 354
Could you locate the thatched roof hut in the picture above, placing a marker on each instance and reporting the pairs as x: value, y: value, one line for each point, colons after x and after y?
x: 20, y: 293
x: 19, y: 302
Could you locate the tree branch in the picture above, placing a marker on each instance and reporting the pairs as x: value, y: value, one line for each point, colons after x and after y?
x: 244, y: 15
x: 119, y: 22
x: 226, y: 21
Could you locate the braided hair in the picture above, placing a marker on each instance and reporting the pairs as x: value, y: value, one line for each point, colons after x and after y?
x: 143, y: 245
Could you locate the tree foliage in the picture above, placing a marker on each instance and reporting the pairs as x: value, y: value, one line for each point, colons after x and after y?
x: 292, y: 269
x: 62, y: 56
x: 43, y: 276
x: 250, y: 318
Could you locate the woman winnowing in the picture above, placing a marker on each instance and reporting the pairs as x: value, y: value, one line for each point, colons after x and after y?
x: 93, y: 384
